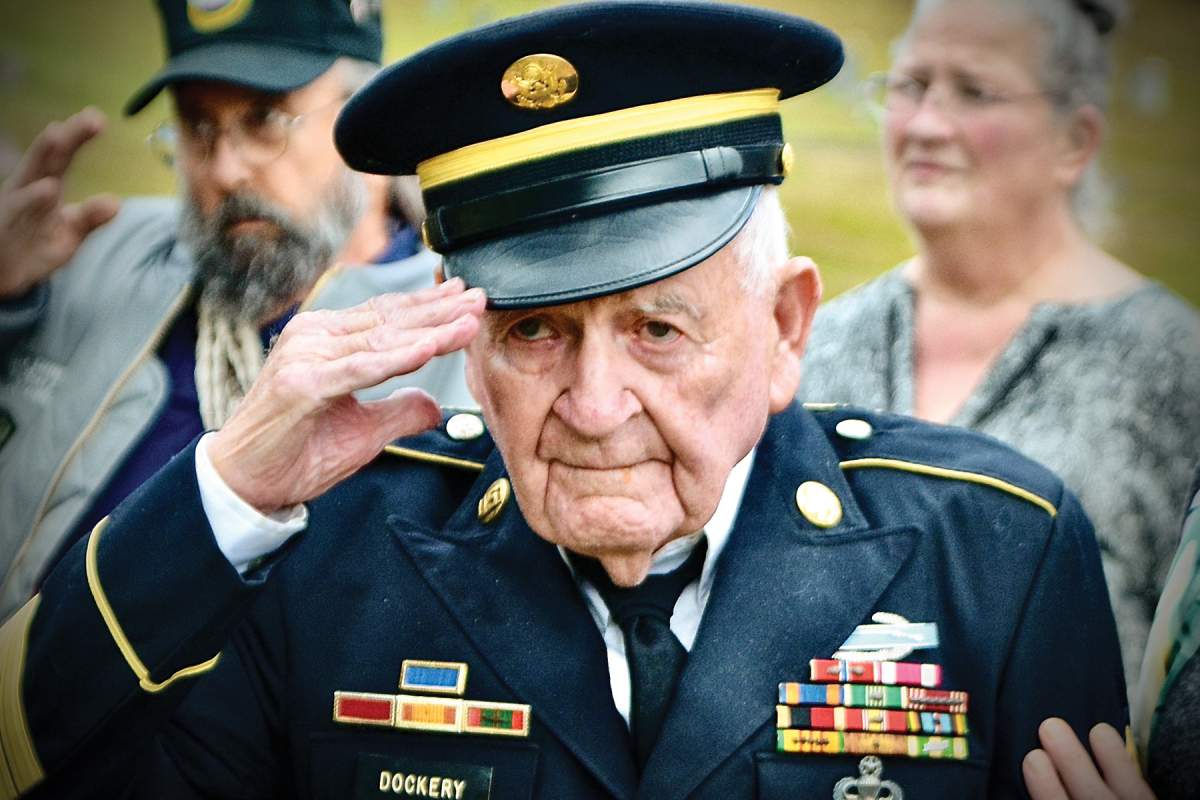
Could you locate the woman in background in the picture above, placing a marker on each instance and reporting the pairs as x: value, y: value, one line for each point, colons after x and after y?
x: 1009, y: 319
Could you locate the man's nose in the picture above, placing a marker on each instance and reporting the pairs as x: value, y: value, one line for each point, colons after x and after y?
x: 599, y: 398
x: 226, y: 164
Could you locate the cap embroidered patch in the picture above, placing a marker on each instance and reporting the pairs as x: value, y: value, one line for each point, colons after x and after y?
x: 209, y: 16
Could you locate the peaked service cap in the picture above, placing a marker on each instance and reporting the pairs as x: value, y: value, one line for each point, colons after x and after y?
x: 271, y: 45
x: 587, y: 149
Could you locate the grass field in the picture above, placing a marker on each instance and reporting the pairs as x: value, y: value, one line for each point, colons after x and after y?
x: 58, y: 57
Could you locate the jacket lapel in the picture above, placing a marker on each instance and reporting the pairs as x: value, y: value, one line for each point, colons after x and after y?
x: 516, y: 600
x: 785, y: 592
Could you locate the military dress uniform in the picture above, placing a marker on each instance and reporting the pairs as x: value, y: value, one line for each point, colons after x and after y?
x: 933, y: 524
x: 419, y: 639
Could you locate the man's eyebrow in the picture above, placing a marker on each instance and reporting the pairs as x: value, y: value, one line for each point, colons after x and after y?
x: 669, y: 304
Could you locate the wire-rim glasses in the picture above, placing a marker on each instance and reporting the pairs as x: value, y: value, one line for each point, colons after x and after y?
x: 259, y: 136
x: 897, y: 93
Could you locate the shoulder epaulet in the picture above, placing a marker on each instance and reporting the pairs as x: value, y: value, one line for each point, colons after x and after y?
x: 877, y: 440
x: 461, y: 441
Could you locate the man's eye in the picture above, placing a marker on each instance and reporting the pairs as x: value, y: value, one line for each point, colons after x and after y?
x: 261, y: 120
x: 657, y: 331
x: 532, y: 329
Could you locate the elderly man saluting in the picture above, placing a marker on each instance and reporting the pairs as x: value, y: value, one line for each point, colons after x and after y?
x: 644, y: 572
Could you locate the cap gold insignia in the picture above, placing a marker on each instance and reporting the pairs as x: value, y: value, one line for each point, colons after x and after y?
x: 819, y: 504
x: 494, y: 500
x: 540, y: 82
x: 210, y: 16
x: 787, y: 159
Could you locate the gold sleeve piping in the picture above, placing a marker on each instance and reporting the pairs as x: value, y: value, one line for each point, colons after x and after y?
x: 433, y: 458
x: 20, y: 768
x: 953, y: 474
x: 118, y: 635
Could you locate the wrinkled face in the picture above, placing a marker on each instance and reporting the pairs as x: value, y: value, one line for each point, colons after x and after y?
x: 984, y: 142
x: 620, y: 418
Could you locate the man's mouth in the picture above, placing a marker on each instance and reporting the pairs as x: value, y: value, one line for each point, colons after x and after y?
x: 250, y: 225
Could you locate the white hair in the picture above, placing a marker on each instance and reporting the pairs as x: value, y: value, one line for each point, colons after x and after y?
x: 761, y: 245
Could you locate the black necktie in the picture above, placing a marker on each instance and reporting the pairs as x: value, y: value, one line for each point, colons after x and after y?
x: 655, y: 656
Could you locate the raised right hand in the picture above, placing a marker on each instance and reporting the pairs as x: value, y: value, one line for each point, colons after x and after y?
x: 38, y: 233
x: 300, y: 429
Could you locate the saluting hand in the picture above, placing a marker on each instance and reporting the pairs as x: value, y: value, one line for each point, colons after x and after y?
x: 300, y: 430
x: 38, y: 234
x: 1064, y: 770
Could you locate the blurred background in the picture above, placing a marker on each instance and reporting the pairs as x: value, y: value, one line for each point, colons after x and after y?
x: 56, y: 58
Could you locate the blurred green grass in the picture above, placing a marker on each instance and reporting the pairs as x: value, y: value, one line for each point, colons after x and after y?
x: 56, y: 58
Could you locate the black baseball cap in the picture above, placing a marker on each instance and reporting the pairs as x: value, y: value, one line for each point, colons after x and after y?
x: 272, y: 45
x: 588, y: 149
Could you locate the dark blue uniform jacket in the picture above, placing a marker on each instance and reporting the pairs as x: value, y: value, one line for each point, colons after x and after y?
x: 938, y: 525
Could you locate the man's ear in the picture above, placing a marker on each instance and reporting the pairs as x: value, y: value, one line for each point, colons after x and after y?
x: 1084, y: 135
x: 796, y: 302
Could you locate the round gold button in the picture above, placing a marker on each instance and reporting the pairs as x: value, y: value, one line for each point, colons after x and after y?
x: 854, y: 429
x: 494, y: 500
x: 464, y: 427
x: 787, y: 159
x: 818, y: 504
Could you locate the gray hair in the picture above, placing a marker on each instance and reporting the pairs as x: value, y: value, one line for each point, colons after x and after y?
x: 1075, y: 71
x: 761, y: 245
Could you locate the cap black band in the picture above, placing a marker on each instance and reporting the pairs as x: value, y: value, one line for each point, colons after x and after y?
x: 648, y: 181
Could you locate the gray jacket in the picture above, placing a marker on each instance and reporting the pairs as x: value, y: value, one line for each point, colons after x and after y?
x: 81, y: 383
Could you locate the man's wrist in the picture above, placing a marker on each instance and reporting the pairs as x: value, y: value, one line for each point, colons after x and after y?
x: 243, y: 534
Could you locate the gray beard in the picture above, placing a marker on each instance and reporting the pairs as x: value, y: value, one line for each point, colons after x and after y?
x: 252, y: 277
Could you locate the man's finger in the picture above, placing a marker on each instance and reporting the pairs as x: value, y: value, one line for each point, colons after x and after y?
x: 85, y: 217
x: 1120, y: 772
x: 27, y: 207
x: 363, y: 368
x: 1075, y: 767
x: 1041, y: 779
x: 55, y: 147
x: 406, y: 412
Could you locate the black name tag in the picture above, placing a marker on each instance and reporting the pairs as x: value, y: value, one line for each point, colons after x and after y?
x: 389, y: 776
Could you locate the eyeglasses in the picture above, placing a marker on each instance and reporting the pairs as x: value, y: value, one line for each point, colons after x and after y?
x: 259, y: 137
x: 901, y: 94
